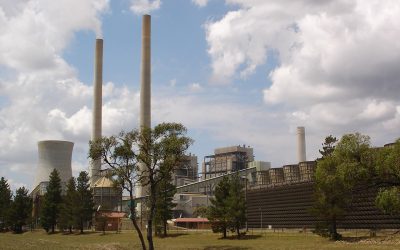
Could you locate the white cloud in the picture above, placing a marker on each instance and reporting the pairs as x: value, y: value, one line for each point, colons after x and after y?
x: 140, y: 7
x: 195, y: 87
x: 44, y: 98
x: 200, y: 3
x: 337, y: 64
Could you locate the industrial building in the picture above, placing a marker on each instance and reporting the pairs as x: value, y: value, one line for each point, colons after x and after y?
x: 186, y: 172
x: 226, y: 160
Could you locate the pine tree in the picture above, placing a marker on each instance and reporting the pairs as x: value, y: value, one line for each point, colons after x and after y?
x: 164, y: 204
x: 68, y: 206
x: 219, y: 209
x: 328, y: 146
x: 5, y: 202
x: 237, y: 204
x: 85, y: 204
x: 21, y: 210
x: 51, y: 202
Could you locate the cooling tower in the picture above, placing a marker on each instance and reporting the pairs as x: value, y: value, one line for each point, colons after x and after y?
x: 97, y: 106
x: 301, y: 144
x: 54, y: 155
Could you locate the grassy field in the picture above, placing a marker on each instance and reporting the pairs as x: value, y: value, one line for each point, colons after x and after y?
x: 194, y: 240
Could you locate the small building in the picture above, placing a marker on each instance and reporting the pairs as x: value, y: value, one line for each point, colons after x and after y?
x: 109, y: 221
x: 192, y: 223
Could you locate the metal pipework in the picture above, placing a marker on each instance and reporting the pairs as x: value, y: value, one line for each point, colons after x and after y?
x: 301, y: 144
x: 97, y: 106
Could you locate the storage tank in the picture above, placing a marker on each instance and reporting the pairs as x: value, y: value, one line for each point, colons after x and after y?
x: 276, y: 175
x: 307, y: 170
x: 54, y: 155
x: 291, y: 173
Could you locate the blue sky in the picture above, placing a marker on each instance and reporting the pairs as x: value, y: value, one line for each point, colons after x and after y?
x: 232, y: 71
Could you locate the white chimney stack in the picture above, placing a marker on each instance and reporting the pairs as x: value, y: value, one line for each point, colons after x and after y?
x: 301, y: 144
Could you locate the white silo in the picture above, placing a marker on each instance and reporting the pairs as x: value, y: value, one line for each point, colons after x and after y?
x: 54, y: 155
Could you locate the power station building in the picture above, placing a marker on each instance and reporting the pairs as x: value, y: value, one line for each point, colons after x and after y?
x: 186, y: 172
x: 226, y: 160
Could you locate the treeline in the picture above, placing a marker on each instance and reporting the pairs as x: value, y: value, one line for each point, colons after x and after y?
x: 351, y: 165
x: 15, y: 210
x: 72, y: 209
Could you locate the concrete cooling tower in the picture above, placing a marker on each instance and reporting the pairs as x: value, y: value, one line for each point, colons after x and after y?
x: 54, y: 155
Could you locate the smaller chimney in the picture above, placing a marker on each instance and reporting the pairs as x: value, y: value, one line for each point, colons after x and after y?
x: 301, y: 144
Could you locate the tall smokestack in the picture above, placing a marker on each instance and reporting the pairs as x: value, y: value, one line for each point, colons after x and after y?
x: 97, y: 106
x: 145, y: 85
x: 301, y: 144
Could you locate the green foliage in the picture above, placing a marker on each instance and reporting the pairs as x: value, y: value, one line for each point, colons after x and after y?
x: 85, y: 205
x: 21, y: 209
x: 219, y: 209
x: 5, y: 202
x: 51, y: 202
x: 388, y: 164
x: 337, y: 174
x: 237, y: 204
x: 144, y: 157
x: 388, y: 174
x: 164, y: 204
x: 67, y: 218
x: 388, y: 200
x: 328, y: 146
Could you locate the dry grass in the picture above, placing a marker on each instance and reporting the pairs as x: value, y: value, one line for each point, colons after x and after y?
x: 195, y: 240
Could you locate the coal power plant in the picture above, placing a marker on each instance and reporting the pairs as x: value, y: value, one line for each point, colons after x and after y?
x: 276, y: 196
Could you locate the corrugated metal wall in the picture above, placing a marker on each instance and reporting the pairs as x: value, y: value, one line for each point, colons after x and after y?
x: 288, y: 206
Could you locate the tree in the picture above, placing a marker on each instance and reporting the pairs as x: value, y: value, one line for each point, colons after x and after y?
x: 164, y: 204
x: 388, y: 200
x: 160, y: 150
x: 337, y: 175
x: 165, y: 145
x: 5, y: 202
x: 388, y: 175
x: 21, y: 209
x: 51, y: 202
x: 85, y: 205
x: 68, y: 206
x: 328, y: 146
x: 119, y: 153
x: 219, y: 208
x: 236, y: 204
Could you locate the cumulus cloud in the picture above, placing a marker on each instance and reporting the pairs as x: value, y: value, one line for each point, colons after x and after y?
x: 44, y: 99
x: 140, y: 7
x: 337, y: 62
x: 200, y: 3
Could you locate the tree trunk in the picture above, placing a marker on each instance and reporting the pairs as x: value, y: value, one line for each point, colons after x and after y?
x: 224, y: 231
x: 238, y: 231
x: 52, y: 228
x: 151, y: 215
x: 334, y: 229
x: 70, y: 229
x: 135, y: 225
x: 165, y: 228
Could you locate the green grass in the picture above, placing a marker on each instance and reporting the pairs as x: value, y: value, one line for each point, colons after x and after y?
x: 193, y: 240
